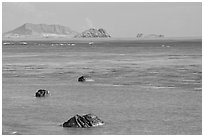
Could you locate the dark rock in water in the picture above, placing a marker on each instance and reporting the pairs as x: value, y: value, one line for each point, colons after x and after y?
x: 42, y: 93
x: 85, y: 121
x: 84, y: 78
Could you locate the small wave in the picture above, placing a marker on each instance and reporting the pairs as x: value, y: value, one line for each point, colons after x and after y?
x: 11, y: 133
x: 157, y: 87
x: 167, y: 46
x: 118, y: 85
x: 103, y: 84
x: 154, y: 72
x: 114, y: 85
x: 192, y: 83
x: 189, y: 80
x: 183, y: 69
x: 197, y: 88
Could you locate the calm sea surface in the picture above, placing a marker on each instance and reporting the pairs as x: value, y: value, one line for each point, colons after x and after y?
x: 138, y: 88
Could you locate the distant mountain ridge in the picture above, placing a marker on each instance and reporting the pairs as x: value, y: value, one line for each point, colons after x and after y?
x: 42, y: 30
x: 93, y: 33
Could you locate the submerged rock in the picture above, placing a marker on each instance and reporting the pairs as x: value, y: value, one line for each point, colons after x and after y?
x: 85, y: 121
x: 42, y: 93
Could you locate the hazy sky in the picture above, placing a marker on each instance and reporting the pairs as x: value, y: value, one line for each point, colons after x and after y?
x: 119, y: 19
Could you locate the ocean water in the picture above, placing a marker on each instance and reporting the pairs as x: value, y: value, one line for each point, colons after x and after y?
x: 137, y: 88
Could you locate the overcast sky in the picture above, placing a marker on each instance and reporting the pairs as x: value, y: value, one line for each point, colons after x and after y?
x: 118, y: 19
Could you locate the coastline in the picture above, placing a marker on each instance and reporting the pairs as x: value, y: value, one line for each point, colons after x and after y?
x: 166, y: 39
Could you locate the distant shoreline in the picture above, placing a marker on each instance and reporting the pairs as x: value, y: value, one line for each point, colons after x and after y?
x: 166, y: 39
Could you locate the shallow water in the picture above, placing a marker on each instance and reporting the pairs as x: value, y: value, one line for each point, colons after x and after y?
x: 137, y: 88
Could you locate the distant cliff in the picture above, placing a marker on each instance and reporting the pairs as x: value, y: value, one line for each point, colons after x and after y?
x: 141, y: 35
x: 93, y: 33
x: 40, y: 30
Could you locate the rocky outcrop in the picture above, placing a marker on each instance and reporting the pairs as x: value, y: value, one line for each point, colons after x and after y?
x: 42, y: 93
x: 41, y: 30
x: 85, y: 121
x: 93, y: 33
x: 141, y: 35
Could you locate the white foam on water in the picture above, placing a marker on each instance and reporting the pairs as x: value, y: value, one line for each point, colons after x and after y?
x: 98, y: 124
x: 89, y: 80
x: 167, y: 46
x: 14, y: 132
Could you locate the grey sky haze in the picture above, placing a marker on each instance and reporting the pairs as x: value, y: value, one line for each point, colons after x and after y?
x: 119, y: 19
